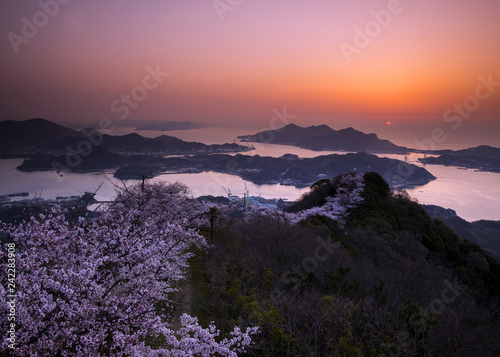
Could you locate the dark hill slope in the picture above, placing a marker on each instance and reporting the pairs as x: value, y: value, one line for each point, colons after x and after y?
x: 41, y: 139
x: 485, y: 158
x: 485, y: 233
x: 31, y: 133
x: 389, y: 213
x: 391, y: 282
x: 481, y: 151
x: 164, y: 145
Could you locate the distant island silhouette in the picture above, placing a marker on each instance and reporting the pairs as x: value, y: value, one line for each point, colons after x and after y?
x: 322, y: 137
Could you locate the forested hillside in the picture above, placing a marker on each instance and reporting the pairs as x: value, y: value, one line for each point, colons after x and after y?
x: 485, y: 233
x: 351, y: 269
x: 383, y: 280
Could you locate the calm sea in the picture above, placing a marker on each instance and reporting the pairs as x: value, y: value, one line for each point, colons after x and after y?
x: 473, y: 195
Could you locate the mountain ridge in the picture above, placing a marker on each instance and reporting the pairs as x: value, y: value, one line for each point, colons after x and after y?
x: 35, y: 137
x: 482, y: 158
x: 31, y: 132
x: 482, y: 232
x: 323, y: 137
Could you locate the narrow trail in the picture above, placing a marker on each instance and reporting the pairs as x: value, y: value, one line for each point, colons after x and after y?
x: 183, y: 300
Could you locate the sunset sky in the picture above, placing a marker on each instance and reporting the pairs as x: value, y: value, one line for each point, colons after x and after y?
x: 236, y: 64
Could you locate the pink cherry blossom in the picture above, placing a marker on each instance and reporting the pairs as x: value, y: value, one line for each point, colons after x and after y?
x: 101, y: 288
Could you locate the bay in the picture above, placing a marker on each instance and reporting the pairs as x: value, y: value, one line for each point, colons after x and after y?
x: 473, y: 195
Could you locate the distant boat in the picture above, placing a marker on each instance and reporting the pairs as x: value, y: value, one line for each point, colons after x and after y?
x: 462, y: 168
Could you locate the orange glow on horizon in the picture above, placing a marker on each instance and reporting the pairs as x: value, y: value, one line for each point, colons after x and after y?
x: 264, y: 55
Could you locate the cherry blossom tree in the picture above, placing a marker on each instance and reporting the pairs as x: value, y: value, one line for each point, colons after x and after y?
x: 103, y: 288
x: 349, y: 188
x: 348, y: 195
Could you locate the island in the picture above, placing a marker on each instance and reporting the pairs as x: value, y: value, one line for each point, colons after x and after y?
x: 482, y: 158
x: 171, y: 125
x: 287, y: 170
x: 322, y: 138
x: 48, y: 146
x: 42, y: 139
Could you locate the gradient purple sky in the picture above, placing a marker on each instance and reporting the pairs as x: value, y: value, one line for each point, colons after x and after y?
x: 265, y: 54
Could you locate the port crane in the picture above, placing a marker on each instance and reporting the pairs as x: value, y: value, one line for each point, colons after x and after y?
x: 227, y: 190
